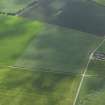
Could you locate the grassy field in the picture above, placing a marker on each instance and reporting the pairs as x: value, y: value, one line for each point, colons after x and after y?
x: 15, y: 34
x: 102, y: 2
x: 70, y: 14
x: 26, y: 43
x: 13, y: 5
x: 21, y: 87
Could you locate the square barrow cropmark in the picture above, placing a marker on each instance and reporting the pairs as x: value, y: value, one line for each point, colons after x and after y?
x: 83, y: 15
x: 58, y: 49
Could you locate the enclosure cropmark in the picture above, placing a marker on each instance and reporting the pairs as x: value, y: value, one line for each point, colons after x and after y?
x: 53, y: 49
x: 49, y: 61
x: 92, y: 91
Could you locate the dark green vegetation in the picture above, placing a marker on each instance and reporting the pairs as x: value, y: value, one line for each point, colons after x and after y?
x: 83, y: 15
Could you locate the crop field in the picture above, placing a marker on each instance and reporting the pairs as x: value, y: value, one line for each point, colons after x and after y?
x: 92, y: 91
x: 22, y: 87
x: 48, y: 64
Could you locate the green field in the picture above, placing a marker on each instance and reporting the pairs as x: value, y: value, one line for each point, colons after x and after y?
x: 26, y: 87
x: 26, y: 43
x: 102, y: 2
x: 59, y: 49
